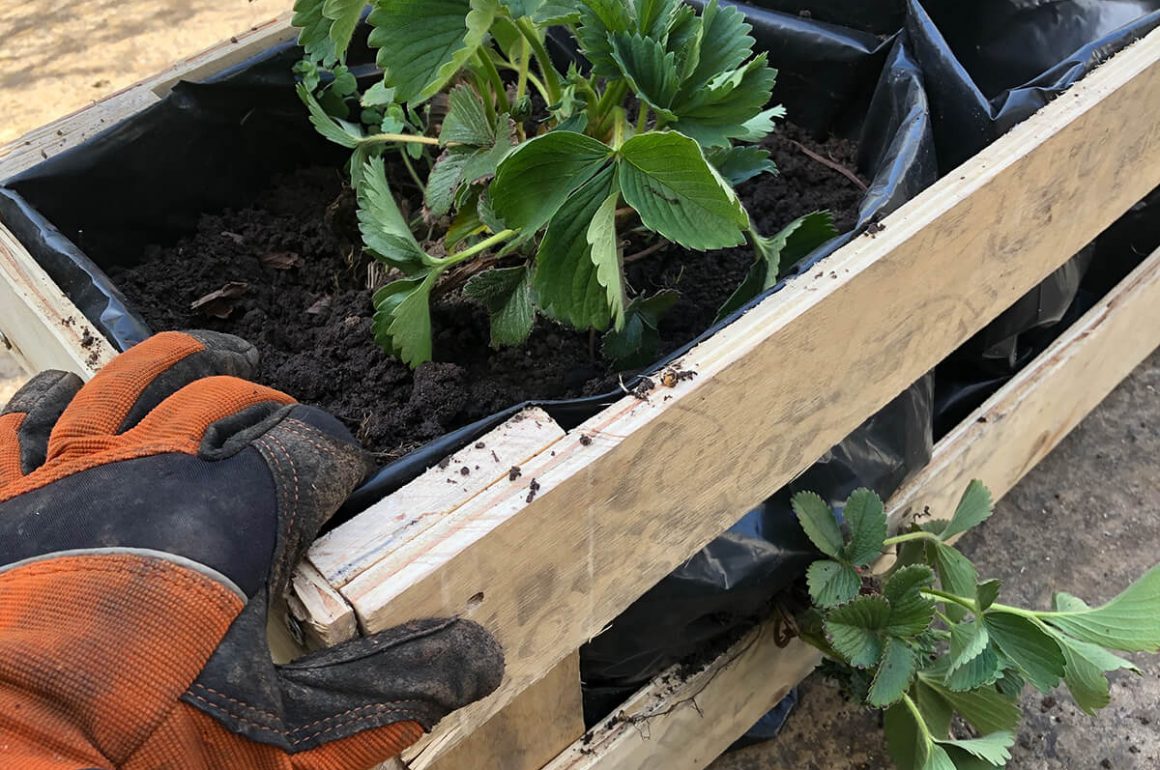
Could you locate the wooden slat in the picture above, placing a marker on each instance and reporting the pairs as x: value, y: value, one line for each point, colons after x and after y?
x: 546, y: 719
x: 395, y: 526
x: 73, y: 129
x: 781, y: 385
x: 42, y: 327
x: 1046, y: 400
x: 682, y: 723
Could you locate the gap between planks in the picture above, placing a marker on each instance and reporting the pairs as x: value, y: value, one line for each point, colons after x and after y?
x: 683, y: 723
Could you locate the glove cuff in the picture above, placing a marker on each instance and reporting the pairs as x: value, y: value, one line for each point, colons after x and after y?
x: 96, y: 649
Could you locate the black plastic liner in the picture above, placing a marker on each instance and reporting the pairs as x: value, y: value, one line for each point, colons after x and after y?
x: 923, y: 86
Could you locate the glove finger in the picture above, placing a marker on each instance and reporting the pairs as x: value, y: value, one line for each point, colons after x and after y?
x: 418, y: 672
x: 137, y: 381
x: 28, y: 419
x: 315, y: 462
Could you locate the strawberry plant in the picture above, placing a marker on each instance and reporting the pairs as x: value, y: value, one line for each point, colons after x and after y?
x: 532, y: 175
x: 928, y: 642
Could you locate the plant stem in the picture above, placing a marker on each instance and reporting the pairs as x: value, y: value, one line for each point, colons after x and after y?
x: 952, y: 598
x: 551, y: 76
x: 909, y: 536
x: 403, y: 138
x: 411, y: 171
x: 492, y: 74
x: 471, y: 251
x: 613, y: 95
x: 910, y: 704
x: 619, y: 119
x: 525, y: 62
x: 944, y: 618
x: 642, y: 118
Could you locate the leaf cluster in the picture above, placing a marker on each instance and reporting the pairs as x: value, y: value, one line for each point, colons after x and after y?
x: 645, y: 137
x: 927, y: 640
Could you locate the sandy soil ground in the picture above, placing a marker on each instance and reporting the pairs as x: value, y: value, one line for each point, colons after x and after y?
x: 1083, y: 521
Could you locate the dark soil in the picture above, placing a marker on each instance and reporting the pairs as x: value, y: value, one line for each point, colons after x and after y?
x: 305, y: 305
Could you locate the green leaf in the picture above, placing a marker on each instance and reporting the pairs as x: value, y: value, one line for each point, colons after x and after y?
x: 604, y: 251
x: 445, y: 179
x: 896, y: 669
x: 905, y: 743
x: 654, y: 17
x: 598, y: 20
x: 483, y: 163
x: 956, y: 575
x: 384, y: 231
x: 911, y: 613
x: 983, y: 669
x: 938, y: 759
x: 343, y: 16
x: 636, y: 344
x: 507, y: 294
x: 831, y: 583
x: 786, y: 248
x: 685, y: 34
x: 854, y: 629
x: 722, y: 109
x: 338, y: 131
x: 314, y: 31
x: 725, y: 44
x: 818, y: 522
x: 973, y: 509
x: 968, y: 641
x: 986, y: 593
x: 520, y: 8
x: 556, y: 12
x: 423, y: 43
x: 466, y: 121
x: 402, y: 321
x: 985, y: 709
x: 907, y: 582
x: 1129, y: 622
x: 740, y: 164
x: 992, y: 748
x: 533, y: 181
x: 935, y: 710
x: 866, y: 522
x: 565, y: 279
x: 651, y: 72
x: 1084, y: 667
x: 1028, y: 646
x: 664, y: 176
x: 377, y: 95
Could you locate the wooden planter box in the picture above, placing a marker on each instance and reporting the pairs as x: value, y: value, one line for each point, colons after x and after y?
x: 773, y: 391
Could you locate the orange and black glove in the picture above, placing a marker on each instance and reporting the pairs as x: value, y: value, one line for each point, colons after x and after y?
x: 145, y: 521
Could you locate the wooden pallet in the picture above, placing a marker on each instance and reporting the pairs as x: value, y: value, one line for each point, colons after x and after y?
x: 629, y: 495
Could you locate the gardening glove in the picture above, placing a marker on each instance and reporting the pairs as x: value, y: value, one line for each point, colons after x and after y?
x: 146, y: 519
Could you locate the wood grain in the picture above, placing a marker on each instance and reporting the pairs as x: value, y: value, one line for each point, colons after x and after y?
x: 783, y: 383
x: 42, y: 327
x: 1019, y: 425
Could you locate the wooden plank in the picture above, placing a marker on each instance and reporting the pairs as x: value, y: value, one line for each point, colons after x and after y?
x: 394, y: 527
x: 41, y: 326
x: 681, y: 722
x: 782, y: 384
x: 999, y: 443
x: 546, y: 719
x: 74, y: 129
x: 1046, y: 400
x: 321, y: 616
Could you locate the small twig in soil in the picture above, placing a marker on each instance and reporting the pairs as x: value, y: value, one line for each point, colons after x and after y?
x: 646, y: 252
x: 830, y: 164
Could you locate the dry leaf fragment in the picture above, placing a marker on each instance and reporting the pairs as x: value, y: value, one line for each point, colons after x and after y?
x: 281, y: 260
x: 220, y: 303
